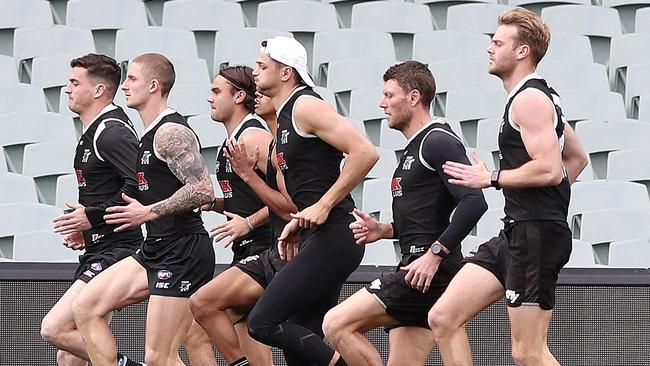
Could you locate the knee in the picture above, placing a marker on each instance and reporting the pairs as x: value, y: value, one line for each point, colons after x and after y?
x: 50, y: 328
x: 523, y: 355
x: 155, y: 357
x: 259, y: 328
x: 64, y: 358
x: 333, y: 326
x: 202, y: 306
x: 442, y: 322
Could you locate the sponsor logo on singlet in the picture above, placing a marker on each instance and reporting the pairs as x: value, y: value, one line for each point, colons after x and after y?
x: 81, y: 181
x: 143, y: 185
x: 226, y: 188
x: 281, y: 162
x: 396, y: 187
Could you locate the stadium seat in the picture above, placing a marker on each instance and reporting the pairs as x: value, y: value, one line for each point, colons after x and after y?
x: 455, y: 75
x: 380, y: 253
x: 629, y: 253
x: 211, y: 134
x: 21, y: 13
x: 470, y: 244
x: 344, y: 10
x: 468, y: 106
x: 569, y: 75
x: 401, y: 19
x: 3, y: 163
x: 629, y: 165
x: 621, y: 135
x: 583, y: 104
x: 345, y: 44
x: 8, y: 72
x: 450, y: 45
x: 628, y: 49
x: 642, y: 20
x: 190, y: 99
x: 66, y: 190
x: 20, y: 129
x: 31, y: 42
x: 582, y: 255
x: 439, y: 8
x: 327, y: 95
x: 21, y: 98
x: 390, y: 138
x: 644, y: 107
x: 364, y: 104
x: 566, y: 47
x: 17, y: 188
x: 626, y: 10
x: 607, y: 194
x: 42, y: 246
x: 191, y: 71
x: 484, y: 17
x: 637, y: 83
x: 487, y: 137
x: 172, y: 43
x: 51, y: 73
x: 376, y: 195
x: 33, y: 216
x: 490, y: 223
x: 45, y: 162
x: 228, y: 44
x: 606, y: 226
x: 385, y: 167
x: 536, y: 6
x: 204, y: 18
x: 598, y: 23
x: 104, y: 18
x: 349, y: 74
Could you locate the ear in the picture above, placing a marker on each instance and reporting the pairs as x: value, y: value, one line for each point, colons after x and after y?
x: 286, y: 74
x: 524, y: 51
x: 100, y: 89
x: 239, y: 96
x: 154, y: 86
x: 414, y: 97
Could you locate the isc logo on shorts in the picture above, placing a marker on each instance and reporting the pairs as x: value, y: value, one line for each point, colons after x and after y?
x: 162, y: 284
x: 164, y: 274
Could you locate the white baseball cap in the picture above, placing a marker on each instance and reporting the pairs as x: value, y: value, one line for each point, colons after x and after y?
x: 291, y: 53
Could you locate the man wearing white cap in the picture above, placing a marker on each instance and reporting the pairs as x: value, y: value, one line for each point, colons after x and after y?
x: 311, y: 141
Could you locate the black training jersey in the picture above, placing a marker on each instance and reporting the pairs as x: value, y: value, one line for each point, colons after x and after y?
x: 422, y: 203
x: 157, y: 182
x: 238, y: 197
x: 540, y: 203
x: 104, y: 163
x: 309, y: 164
x: 275, y: 222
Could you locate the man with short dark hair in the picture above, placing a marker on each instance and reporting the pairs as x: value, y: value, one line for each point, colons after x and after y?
x: 177, y: 256
x: 423, y: 201
x: 105, y: 167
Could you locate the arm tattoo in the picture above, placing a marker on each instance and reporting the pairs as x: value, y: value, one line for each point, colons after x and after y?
x: 179, y: 147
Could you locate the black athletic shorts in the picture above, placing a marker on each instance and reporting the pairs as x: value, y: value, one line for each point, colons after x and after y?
x: 91, y: 264
x: 247, y: 250
x: 405, y: 304
x: 526, y: 258
x: 177, y: 267
x: 262, y: 267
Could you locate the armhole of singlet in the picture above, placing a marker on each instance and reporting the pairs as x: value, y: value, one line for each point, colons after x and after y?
x: 101, y: 127
x: 424, y: 162
x: 514, y: 124
x: 293, y: 120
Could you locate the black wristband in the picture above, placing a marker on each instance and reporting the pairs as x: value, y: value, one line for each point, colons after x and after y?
x: 395, y: 232
x: 494, y: 179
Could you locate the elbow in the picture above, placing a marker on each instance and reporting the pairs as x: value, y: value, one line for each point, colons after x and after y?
x: 583, y: 161
x: 553, y: 177
x: 372, y: 155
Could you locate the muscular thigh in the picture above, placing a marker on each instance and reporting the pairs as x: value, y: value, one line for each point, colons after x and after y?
x: 61, y: 313
x: 231, y: 288
x: 168, y: 321
x: 409, y: 346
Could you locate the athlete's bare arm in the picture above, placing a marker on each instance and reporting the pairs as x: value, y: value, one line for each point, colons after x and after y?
x: 317, y: 117
x: 534, y: 114
x: 574, y: 156
x: 180, y: 149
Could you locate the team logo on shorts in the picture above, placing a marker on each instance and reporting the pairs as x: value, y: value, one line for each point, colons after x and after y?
x: 512, y: 296
x: 185, y: 286
x: 375, y: 285
x: 96, y: 266
x: 396, y: 187
x: 81, y: 181
x: 281, y: 162
x: 143, y: 185
x: 164, y: 274
x: 226, y: 188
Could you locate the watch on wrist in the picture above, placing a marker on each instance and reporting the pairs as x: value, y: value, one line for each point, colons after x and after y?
x: 494, y: 179
x: 437, y: 249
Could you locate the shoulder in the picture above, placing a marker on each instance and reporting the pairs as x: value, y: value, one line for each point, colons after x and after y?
x: 531, y: 99
x: 309, y: 105
x: 174, y: 134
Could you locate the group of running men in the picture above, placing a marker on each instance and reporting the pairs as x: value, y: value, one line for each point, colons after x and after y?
x: 287, y: 197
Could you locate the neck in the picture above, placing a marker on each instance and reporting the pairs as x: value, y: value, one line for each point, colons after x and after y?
x: 89, y: 114
x: 234, y: 120
x: 152, y: 109
x: 510, y: 80
x: 272, y: 122
x: 282, y: 95
x: 419, y: 119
